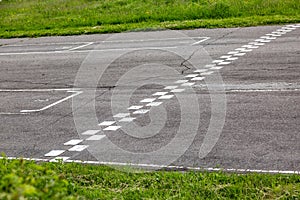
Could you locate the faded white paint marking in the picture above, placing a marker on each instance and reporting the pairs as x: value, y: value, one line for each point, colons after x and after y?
x: 200, y: 41
x: 96, y: 137
x: 54, y: 153
x: 224, y: 63
x: 148, y: 100
x: 78, y: 148
x: 166, y: 96
x: 233, y: 52
x: 216, y: 68
x: 187, y: 84
x: 154, y: 104
x: 198, y: 78
x: 268, y: 37
x: 226, y: 57
x: 200, y: 70
x: 73, y: 142
x: 127, y: 119
x: 177, y: 90
x: 121, y: 115
x: 160, y: 93
x: 257, y: 43
x: 262, y: 40
x: 53, y: 104
x: 232, y: 58
x: 239, y: 54
x: 142, y: 111
x: 206, y: 73
x: 134, y: 107
x: 112, y: 128
x: 90, y: 132
x: 217, y: 61
x: 106, y: 123
x: 181, y: 81
x: 79, y: 47
x: 171, y: 87
x: 191, y: 75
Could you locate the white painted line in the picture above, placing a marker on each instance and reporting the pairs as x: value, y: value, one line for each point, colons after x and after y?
x: 239, y: 54
x: 90, y: 132
x: 233, y: 52
x: 279, y: 32
x: 148, y: 100
x: 40, y: 90
x: 127, y: 119
x: 206, y: 73
x: 166, y: 96
x: 79, y: 47
x: 78, y: 148
x: 175, y: 167
x: 53, y: 104
x: 160, y: 93
x: 268, y: 37
x: 170, y: 87
x: 226, y: 57
x: 112, y: 128
x: 154, y: 104
x: 274, y: 35
x: 106, y: 123
x: 142, y: 111
x: 177, y: 90
x: 262, y: 40
x: 198, y: 78
x: 246, y: 50
x: 256, y: 43
x: 224, y: 63
x: 59, y: 158
x: 121, y: 115
x: 216, y: 68
x: 217, y: 61
x: 289, y: 28
x: 232, y: 58
x: 73, y: 142
x: 269, y: 171
x: 95, y: 137
x: 200, y: 70
x: 54, y: 153
x: 134, y: 107
x: 200, y: 41
x: 210, y: 65
x: 187, y: 84
x: 191, y: 75
x: 181, y: 81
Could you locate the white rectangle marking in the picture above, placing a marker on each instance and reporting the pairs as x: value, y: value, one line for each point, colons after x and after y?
x: 177, y: 90
x: 142, y: 111
x: 187, y: 84
x: 90, y: 132
x: 112, y: 128
x: 54, y: 153
x: 134, y: 107
x: 96, y: 137
x: 166, y: 96
x: 181, y: 81
x: 154, y: 104
x: 121, y: 115
x: 127, y: 119
x: 160, y: 93
x: 106, y: 123
x: 148, y: 100
x: 198, y: 78
x: 170, y: 87
x: 72, y: 142
x: 78, y: 148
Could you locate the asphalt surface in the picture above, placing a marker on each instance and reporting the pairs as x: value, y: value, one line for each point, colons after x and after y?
x: 245, y: 114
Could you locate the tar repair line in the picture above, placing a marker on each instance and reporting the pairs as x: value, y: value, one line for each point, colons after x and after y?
x: 149, y: 166
x: 168, y: 94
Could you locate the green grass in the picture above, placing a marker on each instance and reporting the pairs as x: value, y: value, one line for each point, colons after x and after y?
x: 23, y: 179
x: 23, y: 18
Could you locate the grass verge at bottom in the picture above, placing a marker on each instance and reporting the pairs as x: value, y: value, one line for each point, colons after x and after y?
x: 145, y: 26
x: 24, y: 179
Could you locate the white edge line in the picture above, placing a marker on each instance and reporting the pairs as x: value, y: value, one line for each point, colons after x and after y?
x: 210, y: 169
x: 53, y: 104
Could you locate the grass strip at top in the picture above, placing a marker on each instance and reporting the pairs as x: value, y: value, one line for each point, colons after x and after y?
x: 23, y: 18
x: 27, y: 179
